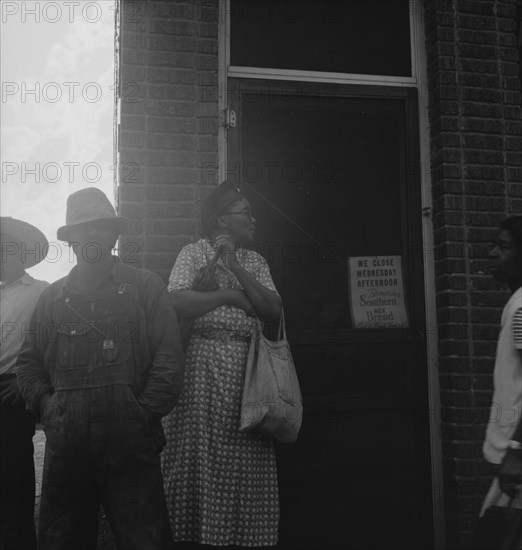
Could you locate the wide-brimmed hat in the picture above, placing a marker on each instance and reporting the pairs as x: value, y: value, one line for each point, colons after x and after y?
x: 87, y: 206
x: 22, y: 240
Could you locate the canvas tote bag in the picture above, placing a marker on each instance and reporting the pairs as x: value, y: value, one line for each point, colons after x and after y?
x: 272, y: 402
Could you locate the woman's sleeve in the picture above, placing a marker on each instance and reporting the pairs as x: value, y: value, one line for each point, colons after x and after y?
x: 184, y: 271
x: 262, y: 274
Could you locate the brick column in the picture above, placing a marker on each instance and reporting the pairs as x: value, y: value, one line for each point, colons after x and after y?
x: 476, y: 145
x: 169, y: 123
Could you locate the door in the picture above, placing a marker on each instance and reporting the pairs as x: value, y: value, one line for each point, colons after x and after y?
x: 332, y: 173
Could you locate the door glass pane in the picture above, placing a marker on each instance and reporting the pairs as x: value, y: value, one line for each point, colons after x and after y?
x: 325, y: 176
x: 361, y: 37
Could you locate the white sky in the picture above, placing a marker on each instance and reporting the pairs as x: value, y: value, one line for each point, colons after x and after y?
x: 65, y: 51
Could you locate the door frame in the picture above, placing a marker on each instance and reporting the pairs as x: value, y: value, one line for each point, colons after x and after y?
x: 372, y: 86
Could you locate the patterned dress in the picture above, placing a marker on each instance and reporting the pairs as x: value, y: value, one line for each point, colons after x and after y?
x: 220, y: 484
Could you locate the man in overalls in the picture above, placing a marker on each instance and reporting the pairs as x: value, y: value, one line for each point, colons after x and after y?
x: 102, y: 365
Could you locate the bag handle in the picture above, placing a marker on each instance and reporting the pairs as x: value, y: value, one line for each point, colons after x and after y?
x: 282, y: 326
x: 215, y: 258
x: 281, y: 331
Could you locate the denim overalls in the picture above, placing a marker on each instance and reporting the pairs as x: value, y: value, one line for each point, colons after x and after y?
x: 100, y: 443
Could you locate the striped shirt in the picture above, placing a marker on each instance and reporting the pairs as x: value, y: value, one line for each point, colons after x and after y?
x: 517, y: 328
x: 506, y: 408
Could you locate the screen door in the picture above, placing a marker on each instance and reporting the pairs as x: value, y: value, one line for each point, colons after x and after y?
x: 332, y: 174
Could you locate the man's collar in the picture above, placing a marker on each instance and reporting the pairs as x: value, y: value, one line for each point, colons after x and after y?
x: 67, y: 288
x: 25, y: 279
x: 117, y: 271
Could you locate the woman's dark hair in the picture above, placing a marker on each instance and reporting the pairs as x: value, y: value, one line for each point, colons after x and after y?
x: 221, y: 198
x: 513, y: 226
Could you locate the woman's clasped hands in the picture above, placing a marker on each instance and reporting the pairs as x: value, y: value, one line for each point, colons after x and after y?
x: 228, y: 251
x: 238, y: 298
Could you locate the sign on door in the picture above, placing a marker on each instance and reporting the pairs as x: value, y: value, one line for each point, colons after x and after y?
x: 377, y: 292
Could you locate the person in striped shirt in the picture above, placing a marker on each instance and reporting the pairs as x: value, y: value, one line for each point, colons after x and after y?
x: 503, y: 443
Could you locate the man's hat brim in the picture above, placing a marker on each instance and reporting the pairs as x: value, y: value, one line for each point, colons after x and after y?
x: 23, y: 240
x: 64, y: 232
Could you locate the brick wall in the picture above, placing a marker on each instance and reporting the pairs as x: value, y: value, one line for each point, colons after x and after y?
x: 169, y: 123
x: 476, y: 159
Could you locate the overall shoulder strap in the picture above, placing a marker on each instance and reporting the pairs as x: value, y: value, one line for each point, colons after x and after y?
x: 129, y: 285
x: 128, y: 273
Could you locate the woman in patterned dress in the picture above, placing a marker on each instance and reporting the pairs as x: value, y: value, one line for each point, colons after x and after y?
x: 221, y: 484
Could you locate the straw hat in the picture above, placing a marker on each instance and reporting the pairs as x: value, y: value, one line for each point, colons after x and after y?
x: 23, y: 240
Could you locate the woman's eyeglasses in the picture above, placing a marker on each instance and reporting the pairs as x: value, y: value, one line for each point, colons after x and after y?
x: 245, y: 212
